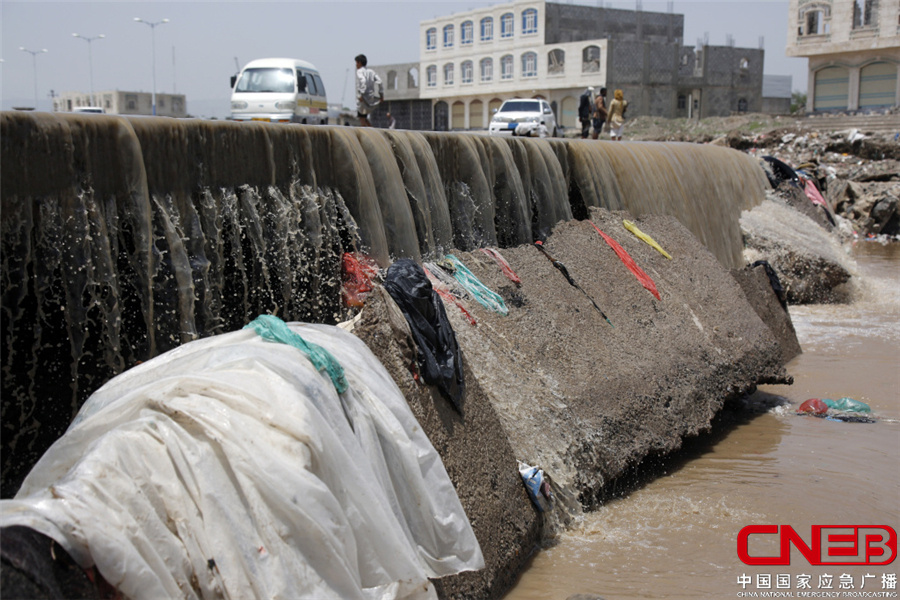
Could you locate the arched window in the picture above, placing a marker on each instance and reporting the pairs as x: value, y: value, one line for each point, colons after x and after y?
x: 487, y: 69
x: 507, y: 25
x: 556, y: 62
x: 487, y: 29
x: 742, y: 105
x: 431, y: 39
x: 529, y: 64
x: 744, y: 64
x: 431, y: 74
x: 392, y: 83
x: 412, y: 78
x: 448, y: 74
x: 466, y: 33
x: 590, y: 59
x: 506, y: 67
x: 448, y: 36
x: 529, y: 21
x: 466, y: 72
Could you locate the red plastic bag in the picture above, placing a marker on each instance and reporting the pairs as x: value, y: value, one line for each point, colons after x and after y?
x: 357, y: 271
x: 813, y: 406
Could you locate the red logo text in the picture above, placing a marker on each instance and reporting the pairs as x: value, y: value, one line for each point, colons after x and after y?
x: 828, y: 544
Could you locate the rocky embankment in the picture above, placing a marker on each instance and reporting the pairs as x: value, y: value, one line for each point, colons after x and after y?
x: 853, y: 163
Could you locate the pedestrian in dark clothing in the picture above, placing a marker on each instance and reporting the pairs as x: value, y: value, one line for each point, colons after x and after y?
x: 599, y: 113
x: 584, y: 111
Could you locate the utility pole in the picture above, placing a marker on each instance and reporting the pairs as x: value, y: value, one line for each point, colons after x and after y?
x: 90, y: 60
x: 34, y: 54
x: 153, y: 47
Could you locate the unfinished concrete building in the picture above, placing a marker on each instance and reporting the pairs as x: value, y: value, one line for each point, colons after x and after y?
x: 471, y: 61
x: 853, y: 47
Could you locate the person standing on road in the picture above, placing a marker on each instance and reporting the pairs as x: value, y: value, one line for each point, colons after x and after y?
x: 584, y: 111
x: 599, y: 113
x: 392, y: 122
x: 617, y: 115
x: 367, y: 81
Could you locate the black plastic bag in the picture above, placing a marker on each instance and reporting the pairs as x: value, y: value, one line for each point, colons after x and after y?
x: 438, y: 355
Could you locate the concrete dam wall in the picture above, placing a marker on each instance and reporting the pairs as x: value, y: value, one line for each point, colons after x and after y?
x: 125, y: 238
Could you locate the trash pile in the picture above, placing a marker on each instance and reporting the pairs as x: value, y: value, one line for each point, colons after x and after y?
x: 861, y: 187
x: 844, y: 409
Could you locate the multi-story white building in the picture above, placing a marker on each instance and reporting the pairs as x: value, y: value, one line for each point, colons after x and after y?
x: 853, y: 47
x: 470, y: 62
x: 475, y: 60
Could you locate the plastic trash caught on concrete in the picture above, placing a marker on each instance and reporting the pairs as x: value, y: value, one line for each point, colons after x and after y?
x: 538, y: 486
x: 231, y: 467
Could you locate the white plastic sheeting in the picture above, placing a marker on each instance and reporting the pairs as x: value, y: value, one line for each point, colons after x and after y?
x: 229, y: 467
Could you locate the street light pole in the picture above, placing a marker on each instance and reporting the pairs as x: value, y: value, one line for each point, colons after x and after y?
x: 153, y: 46
x: 90, y: 59
x: 34, y: 54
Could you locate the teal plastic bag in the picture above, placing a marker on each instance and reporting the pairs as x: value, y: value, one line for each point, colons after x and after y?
x: 847, y: 405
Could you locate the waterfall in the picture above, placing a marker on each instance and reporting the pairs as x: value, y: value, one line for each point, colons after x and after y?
x: 123, y: 238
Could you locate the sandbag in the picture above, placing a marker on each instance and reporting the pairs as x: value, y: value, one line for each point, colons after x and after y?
x: 231, y: 467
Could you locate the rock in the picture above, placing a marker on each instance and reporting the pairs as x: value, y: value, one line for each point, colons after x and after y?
x: 806, y: 258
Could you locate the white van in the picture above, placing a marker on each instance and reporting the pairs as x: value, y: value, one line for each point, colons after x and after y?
x: 279, y: 90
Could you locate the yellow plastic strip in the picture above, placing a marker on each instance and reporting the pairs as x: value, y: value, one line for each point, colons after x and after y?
x: 633, y: 229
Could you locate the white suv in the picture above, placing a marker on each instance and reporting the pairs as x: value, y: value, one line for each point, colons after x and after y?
x: 524, y: 117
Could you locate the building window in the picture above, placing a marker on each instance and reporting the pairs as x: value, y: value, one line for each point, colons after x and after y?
x: 814, y: 20
x: 742, y: 105
x: 529, y: 21
x: 448, y: 74
x: 466, y: 33
x: 131, y: 101
x: 529, y: 64
x: 487, y: 29
x: 412, y: 78
x: 865, y: 13
x: 507, y: 24
x: 392, y: 82
x: 590, y: 59
x: 682, y: 102
x: 431, y: 39
x: 506, y: 67
x: 556, y: 62
x: 448, y: 36
x: 487, y: 69
x: 466, y: 69
x: 431, y: 73
x: 744, y: 64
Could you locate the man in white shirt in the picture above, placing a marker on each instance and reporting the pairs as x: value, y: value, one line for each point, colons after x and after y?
x: 366, y: 82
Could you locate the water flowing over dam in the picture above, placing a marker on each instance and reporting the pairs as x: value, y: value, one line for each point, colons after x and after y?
x: 124, y: 238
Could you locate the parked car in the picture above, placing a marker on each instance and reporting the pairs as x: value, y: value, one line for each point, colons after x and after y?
x: 523, y: 117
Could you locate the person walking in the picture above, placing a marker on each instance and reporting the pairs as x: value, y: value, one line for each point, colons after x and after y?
x: 367, y: 81
x: 617, y: 115
x: 392, y: 122
x: 584, y: 111
x: 600, y: 113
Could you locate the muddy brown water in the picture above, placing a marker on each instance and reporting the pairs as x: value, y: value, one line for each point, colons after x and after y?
x: 676, y: 537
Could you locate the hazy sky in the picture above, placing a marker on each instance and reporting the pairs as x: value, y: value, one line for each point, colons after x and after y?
x: 197, y: 50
